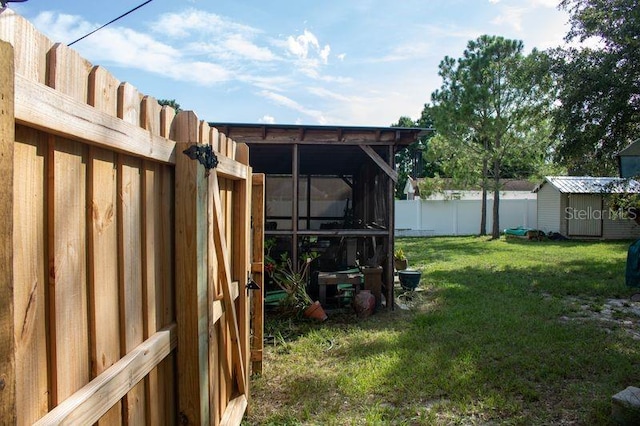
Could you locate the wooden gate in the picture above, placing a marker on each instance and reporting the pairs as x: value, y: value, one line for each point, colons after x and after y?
x: 124, y: 263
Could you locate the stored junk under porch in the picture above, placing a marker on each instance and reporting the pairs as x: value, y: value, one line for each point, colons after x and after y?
x: 330, y: 190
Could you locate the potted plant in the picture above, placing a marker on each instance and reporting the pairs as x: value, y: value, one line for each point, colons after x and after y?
x: 294, y: 282
x: 399, y: 259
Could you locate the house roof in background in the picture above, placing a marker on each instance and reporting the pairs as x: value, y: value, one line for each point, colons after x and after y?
x: 590, y: 185
x: 505, y: 185
x: 632, y: 150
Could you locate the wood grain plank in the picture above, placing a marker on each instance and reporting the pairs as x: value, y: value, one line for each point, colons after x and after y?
x: 68, y: 72
x: 166, y: 119
x: 46, y: 109
x: 167, y: 383
x: 152, y: 254
x: 130, y: 254
x: 389, y: 170
x: 151, y: 272
x: 129, y: 103
x: 150, y: 111
x: 30, y: 46
x: 222, y: 249
x: 241, y: 251
x: 29, y: 272
x: 103, y: 242
x: 131, y: 281
x: 104, y: 303
x: 191, y: 274
x: 235, y: 411
x: 68, y: 268
x: 7, y: 136
x: 88, y: 404
x: 103, y: 91
x: 257, y: 218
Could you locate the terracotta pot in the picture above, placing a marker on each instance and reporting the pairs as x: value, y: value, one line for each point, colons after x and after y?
x: 400, y: 264
x: 315, y: 311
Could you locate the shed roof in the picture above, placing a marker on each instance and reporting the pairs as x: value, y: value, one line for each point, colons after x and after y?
x: 590, y: 185
x: 324, y: 150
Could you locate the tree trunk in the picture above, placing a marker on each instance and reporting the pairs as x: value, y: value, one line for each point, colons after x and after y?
x: 483, y: 213
x: 495, y: 229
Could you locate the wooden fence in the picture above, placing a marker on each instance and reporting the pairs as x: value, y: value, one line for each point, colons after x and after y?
x: 123, y: 262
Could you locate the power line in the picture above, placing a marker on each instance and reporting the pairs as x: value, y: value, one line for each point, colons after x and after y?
x: 110, y: 22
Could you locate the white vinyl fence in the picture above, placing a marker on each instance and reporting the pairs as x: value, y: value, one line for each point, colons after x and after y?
x: 461, y: 217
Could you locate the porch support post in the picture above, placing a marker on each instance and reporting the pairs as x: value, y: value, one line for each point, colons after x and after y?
x: 389, y: 276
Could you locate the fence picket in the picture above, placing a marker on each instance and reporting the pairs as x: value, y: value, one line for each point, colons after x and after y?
x: 8, y: 396
x: 29, y: 274
x: 103, y: 241
x: 68, y: 271
x: 30, y: 46
x: 109, y: 234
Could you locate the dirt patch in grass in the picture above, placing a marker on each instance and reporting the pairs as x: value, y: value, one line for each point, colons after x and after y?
x: 611, y: 314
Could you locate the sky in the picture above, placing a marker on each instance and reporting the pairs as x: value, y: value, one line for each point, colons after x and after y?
x: 311, y: 62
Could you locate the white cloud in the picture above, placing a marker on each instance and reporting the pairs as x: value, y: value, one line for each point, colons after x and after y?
x: 244, y: 48
x: 299, y: 46
x: 321, y: 92
x: 546, y: 3
x: 289, y: 103
x: 306, y: 48
x: 198, y: 22
x: 61, y: 27
x: 511, y: 17
x: 128, y: 48
x: 267, y: 119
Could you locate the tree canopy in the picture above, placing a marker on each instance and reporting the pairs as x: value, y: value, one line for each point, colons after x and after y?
x: 410, y: 161
x: 491, y: 113
x: 599, y: 87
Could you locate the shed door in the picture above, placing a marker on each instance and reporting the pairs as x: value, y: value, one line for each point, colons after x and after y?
x: 584, y: 215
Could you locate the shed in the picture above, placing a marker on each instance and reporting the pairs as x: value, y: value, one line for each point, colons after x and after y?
x: 329, y: 189
x: 576, y: 206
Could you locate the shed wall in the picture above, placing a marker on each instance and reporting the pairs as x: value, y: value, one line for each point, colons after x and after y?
x: 617, y: 228
x: 549, y: 209
x: 584, y: 215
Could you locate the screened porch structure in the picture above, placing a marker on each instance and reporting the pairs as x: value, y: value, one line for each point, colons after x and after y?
x: 329, y: 189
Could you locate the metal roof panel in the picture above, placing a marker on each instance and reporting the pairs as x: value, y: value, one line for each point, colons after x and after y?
x: 591, y: 185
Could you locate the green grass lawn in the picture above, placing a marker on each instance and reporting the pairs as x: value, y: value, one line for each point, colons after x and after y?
x: 496, y: 334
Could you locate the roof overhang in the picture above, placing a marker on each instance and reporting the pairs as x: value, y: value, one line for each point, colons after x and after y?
x: 322, y: 150
x: 304, y: 134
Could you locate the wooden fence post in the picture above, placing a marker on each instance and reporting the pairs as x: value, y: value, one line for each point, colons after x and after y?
x: 191, y: 275
x: 7, y: 137
x: 257, y: 268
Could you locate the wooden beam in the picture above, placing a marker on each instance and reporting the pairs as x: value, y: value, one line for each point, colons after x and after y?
x: 257, y: 267
x: 46, y: 109
x: 241, y: 252
x: 191, y: 275
x: 380, y: 162
x: 7, y: 137
x: 88, y: 404
x: 225, y: 276
x: 235, y: 411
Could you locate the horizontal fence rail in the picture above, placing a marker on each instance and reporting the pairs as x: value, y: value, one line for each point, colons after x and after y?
x: 123, y: 262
